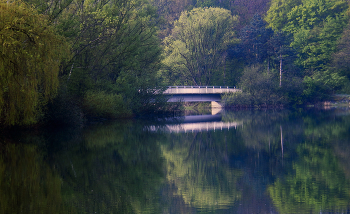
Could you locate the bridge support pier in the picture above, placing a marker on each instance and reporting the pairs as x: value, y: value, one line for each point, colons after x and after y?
x: 215, y: 104
x: 215, y: 107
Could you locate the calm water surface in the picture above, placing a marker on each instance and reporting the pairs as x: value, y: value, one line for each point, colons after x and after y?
x: 274, y: 161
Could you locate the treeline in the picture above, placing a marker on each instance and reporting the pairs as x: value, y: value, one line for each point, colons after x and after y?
x: 278, y: 53
x: 62, y: 61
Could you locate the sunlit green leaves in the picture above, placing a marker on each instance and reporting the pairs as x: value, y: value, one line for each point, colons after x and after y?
x: 277, y: 14
x: 315, y: 25
x: 196, y: 48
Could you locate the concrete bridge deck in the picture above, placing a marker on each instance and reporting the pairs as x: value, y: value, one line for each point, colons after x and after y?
x: 200, y: 90
x: 198, y: 93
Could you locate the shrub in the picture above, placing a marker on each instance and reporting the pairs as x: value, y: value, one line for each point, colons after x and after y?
x: 261, y: 89
x: 64, y: 110
x: 102, y: 104
x: 239, y: 99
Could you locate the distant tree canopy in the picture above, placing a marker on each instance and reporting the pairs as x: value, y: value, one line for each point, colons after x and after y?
x: 254, y: 40
x: 315, y: 25
x: 171, y: 10
x: 195, y: 52
x: 30, y: 57
x: 342, y: 55
x: 247, y: 9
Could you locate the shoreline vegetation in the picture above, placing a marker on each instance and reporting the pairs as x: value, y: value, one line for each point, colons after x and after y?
x: 334, y: 101
x: 68, y: 62
x: 231, y: 101
x: 337, y: 100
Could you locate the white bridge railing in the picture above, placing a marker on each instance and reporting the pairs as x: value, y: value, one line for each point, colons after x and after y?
x: 200, y: 90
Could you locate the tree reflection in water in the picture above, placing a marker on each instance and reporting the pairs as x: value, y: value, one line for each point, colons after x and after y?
x: 197, y: 164
x: 117, y: 169
x: 27, y: 184
x: 317, y: 183
x: 109, y: 168
x: 123, y: 167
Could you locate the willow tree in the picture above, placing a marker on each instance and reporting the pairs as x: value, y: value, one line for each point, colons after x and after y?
x: 30, y: 56
x: 196, y: 49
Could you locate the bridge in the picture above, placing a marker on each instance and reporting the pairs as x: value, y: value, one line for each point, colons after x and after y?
x: 198, y: 93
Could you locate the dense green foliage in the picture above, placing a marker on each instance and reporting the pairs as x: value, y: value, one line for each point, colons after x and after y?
x: 100, y: 104
x: 195, y: 52
x: 315, y: 26
x: 340, y: 62
x: 114, y: 53
x: 171, y: 10
x: 125, y: 52
x: 299, y: 44
x: 30, y: 57
x: 259, y: 89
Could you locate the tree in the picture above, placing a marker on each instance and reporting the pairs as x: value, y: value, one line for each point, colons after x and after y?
x: 260, y: 85
x: 30, y: 57
x: 170, y: 10
x: 195, y: 52
x: 51, y: 8
x: 315, y: 26
x: 254, y: 40
x: 247, y: 9
x: 115, y: 51
x: 340, y: 57
x: 259, y: 44
x: 280, y: 50
x: 277, y: 15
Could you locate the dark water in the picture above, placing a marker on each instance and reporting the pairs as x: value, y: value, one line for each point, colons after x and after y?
x: 235, y: 162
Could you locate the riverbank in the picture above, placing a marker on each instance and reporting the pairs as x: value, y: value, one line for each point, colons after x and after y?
x: 337, y: 100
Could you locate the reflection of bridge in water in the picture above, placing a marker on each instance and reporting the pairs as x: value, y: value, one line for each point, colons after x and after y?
x: 196, y: 123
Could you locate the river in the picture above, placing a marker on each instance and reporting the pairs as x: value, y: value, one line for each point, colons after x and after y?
x: 247, y: 161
